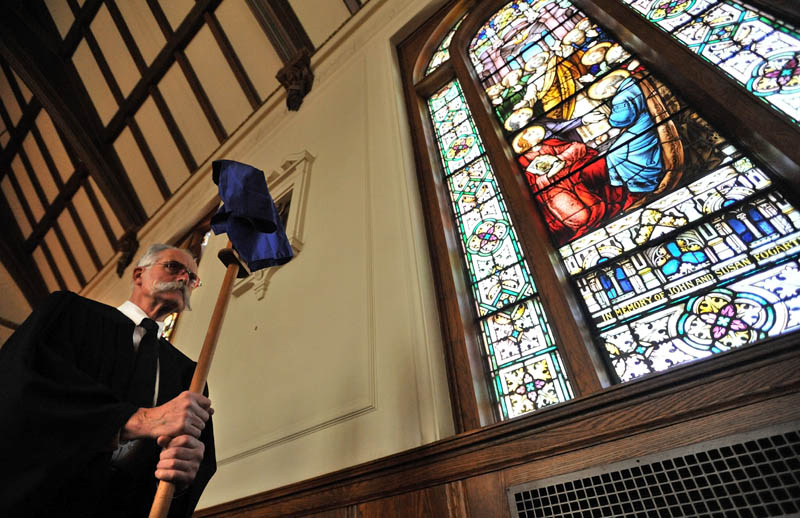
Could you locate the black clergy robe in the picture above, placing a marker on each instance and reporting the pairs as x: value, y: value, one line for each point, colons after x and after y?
x: 65, y: 392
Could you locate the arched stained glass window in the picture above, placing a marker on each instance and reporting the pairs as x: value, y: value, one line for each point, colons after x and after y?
x: 642, y: 237
x: 759, y: 52
x: 635, y: 186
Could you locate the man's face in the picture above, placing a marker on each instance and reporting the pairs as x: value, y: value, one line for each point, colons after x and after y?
x: 157, y: 282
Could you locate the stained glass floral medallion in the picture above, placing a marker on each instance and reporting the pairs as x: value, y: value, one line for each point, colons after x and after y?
x: 761, y: 53
x: 670, y: 234
x: 521, y: 355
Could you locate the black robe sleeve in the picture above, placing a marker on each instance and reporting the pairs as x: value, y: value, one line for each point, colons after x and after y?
x: 64, y: 379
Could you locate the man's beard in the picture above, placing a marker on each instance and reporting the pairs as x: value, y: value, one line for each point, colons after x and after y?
x: 161, y: 287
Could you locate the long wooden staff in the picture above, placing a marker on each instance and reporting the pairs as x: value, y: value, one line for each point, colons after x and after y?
x: 166, y: 489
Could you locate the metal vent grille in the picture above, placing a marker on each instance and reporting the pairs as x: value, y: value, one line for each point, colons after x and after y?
x: 755, y: 474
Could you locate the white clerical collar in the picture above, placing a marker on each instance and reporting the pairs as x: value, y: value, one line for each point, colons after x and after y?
x: 137, y: 314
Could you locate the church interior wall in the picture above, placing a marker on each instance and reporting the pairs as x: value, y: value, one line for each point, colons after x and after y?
x: 341, y: 361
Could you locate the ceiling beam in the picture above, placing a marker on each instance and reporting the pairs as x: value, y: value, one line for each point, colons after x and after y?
x: 56, y: 84
x: 294, y: 47
x: 19, y: 264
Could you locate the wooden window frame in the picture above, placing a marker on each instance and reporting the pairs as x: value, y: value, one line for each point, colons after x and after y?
x: 767, y: 137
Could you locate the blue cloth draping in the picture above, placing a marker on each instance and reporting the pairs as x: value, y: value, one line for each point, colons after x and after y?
x: 249, y: 216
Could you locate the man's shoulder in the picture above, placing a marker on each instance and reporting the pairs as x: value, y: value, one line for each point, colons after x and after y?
x: 73, y: 301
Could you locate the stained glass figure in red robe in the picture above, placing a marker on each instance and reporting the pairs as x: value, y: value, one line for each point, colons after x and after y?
x: 570, y: 181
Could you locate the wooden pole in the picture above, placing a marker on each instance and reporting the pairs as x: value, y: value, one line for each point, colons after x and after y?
x: 166, y: 490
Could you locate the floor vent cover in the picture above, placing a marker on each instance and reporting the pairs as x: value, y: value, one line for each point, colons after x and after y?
x: 755, y: 474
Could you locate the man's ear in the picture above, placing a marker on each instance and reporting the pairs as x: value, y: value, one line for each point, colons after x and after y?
x: 137, y: 275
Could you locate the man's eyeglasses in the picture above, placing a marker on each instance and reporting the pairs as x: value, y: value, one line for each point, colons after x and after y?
x: 176, y: 268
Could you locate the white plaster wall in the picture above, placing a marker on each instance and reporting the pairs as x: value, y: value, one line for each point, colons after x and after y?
x: 341, y: 361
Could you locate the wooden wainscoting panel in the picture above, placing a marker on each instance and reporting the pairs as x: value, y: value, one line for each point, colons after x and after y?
x: 442, y: 501
x: 486, y: 495
x: 461, y: 475
x: 350, y: 511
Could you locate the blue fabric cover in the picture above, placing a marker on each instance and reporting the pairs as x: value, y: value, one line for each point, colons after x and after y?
x: 249, y: 216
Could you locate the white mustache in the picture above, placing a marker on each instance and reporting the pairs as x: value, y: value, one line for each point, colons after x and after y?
x: 160, y: 287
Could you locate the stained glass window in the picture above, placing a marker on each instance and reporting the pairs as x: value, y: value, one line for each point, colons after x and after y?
x: 442, y: 54
x: 522, y: 359
x: 679, y: 246
x: 759, y: 52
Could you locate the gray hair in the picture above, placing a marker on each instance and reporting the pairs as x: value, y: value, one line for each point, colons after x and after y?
x: 151, y: 254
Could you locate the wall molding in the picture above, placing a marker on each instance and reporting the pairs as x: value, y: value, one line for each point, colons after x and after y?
x: 293, y: 177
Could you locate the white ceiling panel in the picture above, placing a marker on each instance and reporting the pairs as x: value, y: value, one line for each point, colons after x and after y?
x: 162, y: 144
x: 16, y: 208
x: 9, y: 101
x: 116, y: 53
x: 112, y: 218
x: 28, y: 191
x: 144, y: 28
x: 40, y: 167
x: 92, y: 224
x: 23, y: 87
x: 61, y: 14
x: 94, y: 82
x: 176, y: 11
x: 187, y: 114
x: 320, y: 18
x: 257, y: 55
x: 13, y: 305
x: 44, y: 269
x: 138, y: 172
x: 79, y: 251
x: 54, y: 145
x: 218, y: 80
x: 60, y: 258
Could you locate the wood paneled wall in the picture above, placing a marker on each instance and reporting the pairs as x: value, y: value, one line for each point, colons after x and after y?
x: 467, y: 475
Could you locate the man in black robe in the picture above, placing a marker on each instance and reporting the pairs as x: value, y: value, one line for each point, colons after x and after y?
x: 93, y: 403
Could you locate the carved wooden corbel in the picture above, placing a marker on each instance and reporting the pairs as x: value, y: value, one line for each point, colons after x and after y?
x: 127, y: 245
x: 297, y: 78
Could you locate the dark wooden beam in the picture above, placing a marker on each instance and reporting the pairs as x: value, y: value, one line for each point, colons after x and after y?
x: 176, y: 42
x: 102, y: 64
x: 282, y: 27
x: 289, y: 38
x: 83, y: 18
x: 17, y: 132
x: 101, y: 215
x: 142, y: 67
x: 174, y: 130
x: 73, y: 263
x: 201, y: 96
x: 57, y: 86
x: 87, y: 241
x: 54, y: 210
x: 8, y: 323
x: 48, y: 257
x: 233, y: 60
x: 20, y: 266
x: 33, y: 178
x: 51, y: 166
x: 353, y: 5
